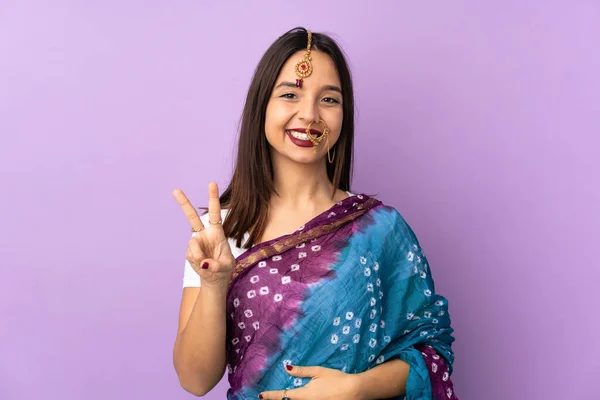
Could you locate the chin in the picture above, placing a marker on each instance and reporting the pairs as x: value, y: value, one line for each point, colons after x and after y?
x: 297, y: 154
x: 300, y: 157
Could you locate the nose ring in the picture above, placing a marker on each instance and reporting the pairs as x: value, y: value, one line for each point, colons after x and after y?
x: 317, y: 139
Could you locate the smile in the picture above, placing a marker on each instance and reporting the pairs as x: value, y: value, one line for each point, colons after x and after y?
x: 298, y: 135
x: 300, y: 138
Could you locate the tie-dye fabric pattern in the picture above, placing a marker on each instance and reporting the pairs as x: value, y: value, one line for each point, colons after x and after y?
x: 349, y: 290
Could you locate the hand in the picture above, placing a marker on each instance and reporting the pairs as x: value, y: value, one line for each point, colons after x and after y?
x: 208, y: 250
x: 326, y: 384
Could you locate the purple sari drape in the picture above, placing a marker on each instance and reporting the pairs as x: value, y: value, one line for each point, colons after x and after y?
x: 336, y: 293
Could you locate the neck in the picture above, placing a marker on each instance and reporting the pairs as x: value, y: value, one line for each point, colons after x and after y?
x: 300, y: 186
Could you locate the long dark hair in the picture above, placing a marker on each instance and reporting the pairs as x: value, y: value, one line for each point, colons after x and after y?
x: 251, y: 186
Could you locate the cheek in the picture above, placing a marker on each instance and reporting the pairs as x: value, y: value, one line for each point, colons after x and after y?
x: 275, y: 121
x: 276, y: 117
x: 336, y: 125
x: 333, y: 139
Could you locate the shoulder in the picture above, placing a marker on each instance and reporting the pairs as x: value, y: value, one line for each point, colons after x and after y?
x: 385, y: 213
x: 395, y: 225
x: 396, y: 240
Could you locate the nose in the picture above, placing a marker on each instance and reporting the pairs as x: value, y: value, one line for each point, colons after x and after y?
x: 309, y: 111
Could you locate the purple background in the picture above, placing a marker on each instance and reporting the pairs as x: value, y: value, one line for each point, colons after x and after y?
x: 479, y: 121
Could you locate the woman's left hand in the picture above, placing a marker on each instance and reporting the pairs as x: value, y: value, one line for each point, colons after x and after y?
x: 325, y: 384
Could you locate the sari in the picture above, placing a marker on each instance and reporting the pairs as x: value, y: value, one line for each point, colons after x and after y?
x: 349, y: 290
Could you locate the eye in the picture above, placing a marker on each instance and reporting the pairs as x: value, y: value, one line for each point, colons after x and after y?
x: 331, y: 100
x: 290, y: 96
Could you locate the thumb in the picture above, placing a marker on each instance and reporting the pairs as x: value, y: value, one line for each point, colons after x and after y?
x: 208, y: 264
x: 213, y: 273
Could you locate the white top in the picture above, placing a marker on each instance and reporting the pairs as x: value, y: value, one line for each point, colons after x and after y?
x: 191, y: 277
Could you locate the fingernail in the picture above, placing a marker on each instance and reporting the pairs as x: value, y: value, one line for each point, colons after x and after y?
x: 204, y: 265
x: 289, y: 367
x: 260, y: 396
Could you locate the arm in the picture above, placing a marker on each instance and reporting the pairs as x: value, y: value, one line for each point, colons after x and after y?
x: 384, y: 381
x: 199, y: 354
x: 390, y: 378
x: 423, y: 376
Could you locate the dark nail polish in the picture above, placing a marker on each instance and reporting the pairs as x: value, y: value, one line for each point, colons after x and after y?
x: 289, y: 367
x: 204, y: 265
x: 260, y: 396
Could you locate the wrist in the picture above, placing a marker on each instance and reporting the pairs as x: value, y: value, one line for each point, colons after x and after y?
x: 214, y: 288
x: 358, y: 386
x: 386, y: 380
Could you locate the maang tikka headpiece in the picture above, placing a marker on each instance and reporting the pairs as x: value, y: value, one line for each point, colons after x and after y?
x: 304, y: 67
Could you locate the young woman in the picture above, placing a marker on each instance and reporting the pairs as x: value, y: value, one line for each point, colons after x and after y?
x: 299, y: 287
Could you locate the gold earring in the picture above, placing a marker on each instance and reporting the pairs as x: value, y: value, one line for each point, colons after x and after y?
x: 330, y: 159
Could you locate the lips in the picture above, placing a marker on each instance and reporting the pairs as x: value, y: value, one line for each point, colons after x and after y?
x: 301, y: 138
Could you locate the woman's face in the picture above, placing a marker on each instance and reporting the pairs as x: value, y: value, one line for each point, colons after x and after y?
x: 290, y: 109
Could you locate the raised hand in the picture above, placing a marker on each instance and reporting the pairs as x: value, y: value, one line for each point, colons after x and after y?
x: 208, y: 250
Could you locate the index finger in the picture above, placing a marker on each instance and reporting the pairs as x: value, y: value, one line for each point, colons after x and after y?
x: 214, y: 204
x: 188, y: 209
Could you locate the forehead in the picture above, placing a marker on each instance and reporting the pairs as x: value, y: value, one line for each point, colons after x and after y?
x: 324, y: 69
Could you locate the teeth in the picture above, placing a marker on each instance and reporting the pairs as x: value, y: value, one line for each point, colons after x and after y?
x: 298, y: 135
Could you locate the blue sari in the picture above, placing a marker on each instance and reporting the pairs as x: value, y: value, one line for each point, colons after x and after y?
x: 349, y: 290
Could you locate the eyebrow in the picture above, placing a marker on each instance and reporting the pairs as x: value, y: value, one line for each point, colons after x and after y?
x: 326, y: 87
